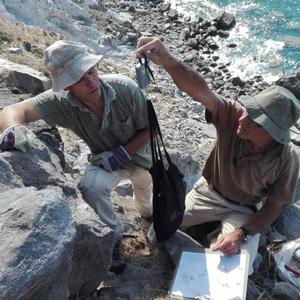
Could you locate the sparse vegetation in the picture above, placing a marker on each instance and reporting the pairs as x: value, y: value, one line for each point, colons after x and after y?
x: 4, y: 37
x: 32, y: 40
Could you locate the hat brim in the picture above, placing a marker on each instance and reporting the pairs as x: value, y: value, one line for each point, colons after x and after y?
x: 75, y: 70
x: 258, y: 115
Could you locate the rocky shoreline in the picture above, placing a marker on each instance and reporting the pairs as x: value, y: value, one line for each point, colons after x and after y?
x: 188, y: 137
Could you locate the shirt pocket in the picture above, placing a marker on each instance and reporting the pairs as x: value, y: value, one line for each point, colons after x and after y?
x: 124, y: 130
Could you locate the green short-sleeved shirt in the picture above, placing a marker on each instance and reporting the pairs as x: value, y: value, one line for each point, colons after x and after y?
x: 242, y: 176
x: 125, y: 113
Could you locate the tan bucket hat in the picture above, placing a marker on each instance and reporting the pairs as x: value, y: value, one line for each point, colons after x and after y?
x: 276, y: 109
x: 68, y: 61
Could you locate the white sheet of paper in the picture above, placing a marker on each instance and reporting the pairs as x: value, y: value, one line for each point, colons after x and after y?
x: 211, y: 276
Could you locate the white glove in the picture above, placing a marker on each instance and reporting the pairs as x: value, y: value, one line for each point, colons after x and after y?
x: 16, y: 137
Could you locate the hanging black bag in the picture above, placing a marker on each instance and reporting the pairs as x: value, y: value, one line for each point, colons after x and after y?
x: 169, y: 188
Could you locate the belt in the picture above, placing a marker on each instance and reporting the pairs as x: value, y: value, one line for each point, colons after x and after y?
x: 252, y: 207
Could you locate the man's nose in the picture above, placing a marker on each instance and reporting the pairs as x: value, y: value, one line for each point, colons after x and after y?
x: 244, y: 119
x: 87, y: 79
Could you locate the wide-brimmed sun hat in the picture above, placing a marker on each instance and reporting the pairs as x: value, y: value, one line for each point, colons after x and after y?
x: 67, y: 62
x: 276, y: 109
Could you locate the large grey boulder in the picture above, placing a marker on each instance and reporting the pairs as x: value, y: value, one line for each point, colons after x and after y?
x: 37, y: 167
x: 23, y: 77
x: 8, y: 178
x: 92, y: 251
x: 52, y: 243
x: 36, y: 244
x: 288, y: 223
x: 225, y: 21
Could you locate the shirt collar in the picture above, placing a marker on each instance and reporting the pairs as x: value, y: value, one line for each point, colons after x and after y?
x: 109, y: 95
x: 243, y: 152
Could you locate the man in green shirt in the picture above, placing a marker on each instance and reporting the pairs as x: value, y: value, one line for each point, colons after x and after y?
x: 109, y: 113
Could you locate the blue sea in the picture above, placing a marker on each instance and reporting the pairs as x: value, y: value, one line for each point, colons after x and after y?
x: 267, y: 34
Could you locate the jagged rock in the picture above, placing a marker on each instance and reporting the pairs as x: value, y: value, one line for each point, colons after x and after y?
x: 212, y: 31
x: 49, y: 251
x: 131, y: 37
x: 185, y: 34
x: 172, y: 14
x: 24, y: 78
x: 193, y: 43
x: 165, y: 7
x: 284, y: 290
x: 288, y: 223
x: 8, y: 178
x: 37, y: 237
x: 205, y: 70
x: 131, y: 9
x: 205, y: 24
x: 27, y: 46
x: 191, y: 56
x: 223, y: 34
x: 188, y: 165
x: 68, y: 17
x: 215, y: 57
x: 67, y: 248
x: 292, y: 83
x: 237, y: 81
x: 232, y: 45
x: 225, y: 21
x: 295, y: 137
x: 37, y: 167
x: 212, y: 44
x: 92, y: 251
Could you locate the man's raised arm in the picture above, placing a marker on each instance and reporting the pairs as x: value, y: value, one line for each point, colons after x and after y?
x: 185, y: 77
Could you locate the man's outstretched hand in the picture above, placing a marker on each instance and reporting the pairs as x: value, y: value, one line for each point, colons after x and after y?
x: 154, y: 50
x: 229, y: 243
x: 16, y: 137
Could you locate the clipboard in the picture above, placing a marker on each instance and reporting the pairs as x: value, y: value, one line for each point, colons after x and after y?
x: 209, y: 275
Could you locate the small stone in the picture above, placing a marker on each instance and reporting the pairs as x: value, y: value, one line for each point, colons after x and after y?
x: 15, y: 50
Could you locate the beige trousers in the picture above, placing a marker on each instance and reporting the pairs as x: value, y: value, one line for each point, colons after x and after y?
x: 203, y: 204
x: 96, y: 186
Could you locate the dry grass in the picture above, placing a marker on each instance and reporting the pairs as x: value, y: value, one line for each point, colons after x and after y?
x: 31, y: 40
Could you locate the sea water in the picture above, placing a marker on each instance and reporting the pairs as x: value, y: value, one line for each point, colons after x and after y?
x: 267, y: 34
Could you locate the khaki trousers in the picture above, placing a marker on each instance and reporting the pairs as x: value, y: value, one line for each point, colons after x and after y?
x: 96, y: 186
x: 203, y: 204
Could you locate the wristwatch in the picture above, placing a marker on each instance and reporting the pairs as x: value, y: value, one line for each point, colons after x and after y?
x: 246, y: 233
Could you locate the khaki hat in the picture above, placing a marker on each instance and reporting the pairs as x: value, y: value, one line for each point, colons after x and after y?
x: 68, y: 61
x: 276, y: 109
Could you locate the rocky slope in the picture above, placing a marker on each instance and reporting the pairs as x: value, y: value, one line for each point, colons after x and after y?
x: 112, y: 28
